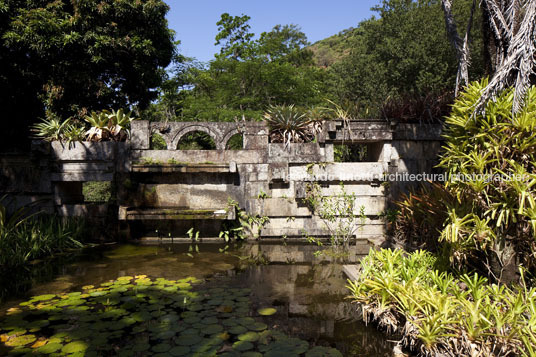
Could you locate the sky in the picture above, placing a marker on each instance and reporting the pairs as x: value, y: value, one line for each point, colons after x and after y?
x: 195, y: 20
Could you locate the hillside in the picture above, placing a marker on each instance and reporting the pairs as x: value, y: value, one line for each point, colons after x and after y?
x: 332, y: 49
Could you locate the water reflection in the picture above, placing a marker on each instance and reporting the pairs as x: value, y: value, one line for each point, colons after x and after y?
x: 307, y: 289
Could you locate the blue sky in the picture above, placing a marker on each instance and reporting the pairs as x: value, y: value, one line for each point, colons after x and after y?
x: 195, y: 20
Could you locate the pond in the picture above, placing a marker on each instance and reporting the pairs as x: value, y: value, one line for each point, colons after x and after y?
x: 183, y: 299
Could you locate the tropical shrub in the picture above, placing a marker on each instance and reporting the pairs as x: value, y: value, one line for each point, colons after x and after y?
x: 107, y: 125
x: 421, y: 215
x: 490, y: 160
x: 438, y: 314
x: 104, y: 125
x: 51, y: 128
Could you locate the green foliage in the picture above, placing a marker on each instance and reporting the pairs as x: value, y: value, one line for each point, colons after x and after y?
x: 73, y: 57
x: 338, y: 212
x: 246, y: 225
x: 403, y: 52
x: 52, y: 128
x: 197, y: 140
x: 104, y: 125
x: 405, y: 294
x: 25, y: 237
x: 248, y: 75
x: 490, y: 159
x: 350, y: 153
x: 97, y: 191
x: 334, y: 48
x: 157, y: 142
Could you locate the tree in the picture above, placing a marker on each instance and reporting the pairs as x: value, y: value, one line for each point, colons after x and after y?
x: 250, y: 74
x: 510, y: 28
x: 403, y: 51
x: 69, y: 57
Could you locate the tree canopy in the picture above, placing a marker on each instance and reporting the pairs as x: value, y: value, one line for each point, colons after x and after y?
x: 245, y: 77
x: 404, y: 50
x: 68, y: 57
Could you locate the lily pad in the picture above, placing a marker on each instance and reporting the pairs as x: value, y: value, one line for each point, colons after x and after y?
x: 161, y: 347
x: 242, y: 345
x: 267, y: 311
x: 22, y: 340
x: 188, y: 340
x: 212, y: 329
x: 249, y: 336
x: 257, y: 326
x: 238, y: 330
x: 74, y: 347
x: 179, y: 351
x: 49, y: 348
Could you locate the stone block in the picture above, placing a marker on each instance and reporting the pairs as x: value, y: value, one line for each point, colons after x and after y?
x: 140, y: 137
x: 278, y: 172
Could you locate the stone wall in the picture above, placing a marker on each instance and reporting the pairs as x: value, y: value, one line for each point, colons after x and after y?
x: 192, y: 187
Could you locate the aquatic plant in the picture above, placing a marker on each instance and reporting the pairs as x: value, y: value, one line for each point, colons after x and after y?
x: 439, y: 314
x: 24, y: 237
x: 139, y: 316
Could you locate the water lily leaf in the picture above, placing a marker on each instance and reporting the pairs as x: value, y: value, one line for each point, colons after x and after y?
x: 249, y: 336
x: 44, y: 297
x: 238, y: 330
x: 242, y: 345
x: 188, y: 340
x: 49, y: 348
x: 164, y: 335
x: 212, y: 329
x: 22, y: 340
x: 141, y: 347
x: 251, y: 354
x: 210, y: 320
x: 267, y: 311
x: 257, y: 326
x: 179, y: 351
x: 161, y: 347
x: 74, y: 347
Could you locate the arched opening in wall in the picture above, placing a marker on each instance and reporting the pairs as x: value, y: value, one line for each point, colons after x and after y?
x: 157, y: 142
x: 196, y: 140
x: 362, y: 152
x: 236, y: 142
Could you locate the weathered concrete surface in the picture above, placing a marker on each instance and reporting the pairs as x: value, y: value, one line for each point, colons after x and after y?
x: 266, y: 179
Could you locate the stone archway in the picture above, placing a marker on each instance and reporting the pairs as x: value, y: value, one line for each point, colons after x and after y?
x: 197, y: 127
x: 227, y: 136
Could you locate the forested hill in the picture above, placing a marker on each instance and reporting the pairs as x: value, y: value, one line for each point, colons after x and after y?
x: 334, y: 48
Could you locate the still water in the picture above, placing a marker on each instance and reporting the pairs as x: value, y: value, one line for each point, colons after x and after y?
x: 308, y: 290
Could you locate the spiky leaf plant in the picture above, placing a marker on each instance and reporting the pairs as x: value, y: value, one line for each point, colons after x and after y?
x: 99, y: 123
x: 51, y: 128
x: 288, y: 124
